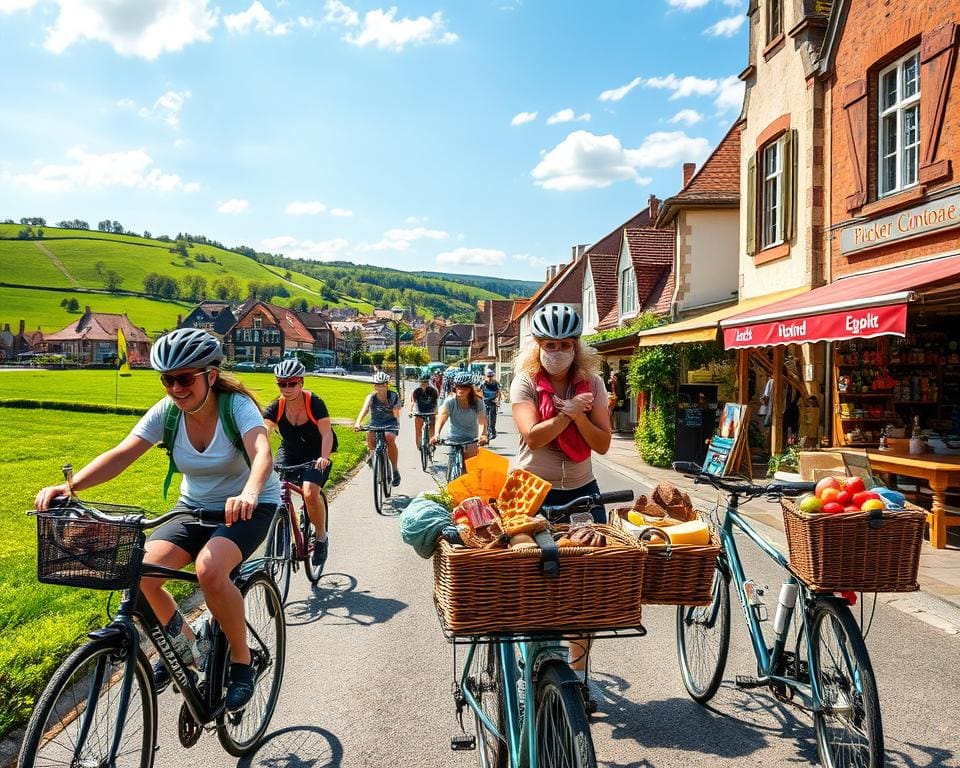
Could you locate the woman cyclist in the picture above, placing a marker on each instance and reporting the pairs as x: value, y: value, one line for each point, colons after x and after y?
x: 383, y: 405
x: 423, y: 400
x: 553, y: 397
x: 216, y: 476
x: 492, y: 395
x: 464, y: 411
x: 306, y: 435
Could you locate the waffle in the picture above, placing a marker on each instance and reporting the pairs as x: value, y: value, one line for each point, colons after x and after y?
x: 522, y: 494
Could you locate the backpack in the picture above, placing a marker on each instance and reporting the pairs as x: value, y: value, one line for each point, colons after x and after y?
x: 308, y: 403
x: 171, y: 423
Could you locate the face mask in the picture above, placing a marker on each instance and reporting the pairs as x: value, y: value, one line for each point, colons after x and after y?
x: 556, y: 363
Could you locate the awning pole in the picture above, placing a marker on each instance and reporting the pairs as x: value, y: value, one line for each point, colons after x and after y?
x: 777, y: 401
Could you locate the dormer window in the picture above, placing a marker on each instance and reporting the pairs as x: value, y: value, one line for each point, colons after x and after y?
x: 628, y: 290
x: 257, y: 321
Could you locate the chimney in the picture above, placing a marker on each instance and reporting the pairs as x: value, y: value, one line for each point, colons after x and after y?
x: 688, y: 170
x: 577, y: 251
x: 22, y: 324
x: 653, y: 205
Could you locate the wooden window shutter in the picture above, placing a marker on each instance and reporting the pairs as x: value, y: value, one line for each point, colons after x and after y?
x: 937, y: 56
x: 855, y: 110
x: 752, y: 206
x: 788, y: 191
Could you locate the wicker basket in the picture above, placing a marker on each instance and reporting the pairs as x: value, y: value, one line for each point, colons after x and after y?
x: 480, y: 592
x: 676, y: 575
x: 855, y: 551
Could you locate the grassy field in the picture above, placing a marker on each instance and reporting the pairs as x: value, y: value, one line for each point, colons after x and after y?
x: 40, y: 624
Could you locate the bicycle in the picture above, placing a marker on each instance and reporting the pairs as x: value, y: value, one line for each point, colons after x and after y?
x: 426, y: 450
x: 493, y: 408
x: 835, y: 682
x: 293, y: 536
x: 455, y: 461
x: 525, y: 698
x: 382, y: 469
x: 101, y: 702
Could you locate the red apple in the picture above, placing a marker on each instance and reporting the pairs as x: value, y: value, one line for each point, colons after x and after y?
x: 852, y: 508
x: 829, y: 494
x: 827, y: 482
x: 854, y: 485
x: 832, y: 508
x: 859, y: 498
x: 844, y: 497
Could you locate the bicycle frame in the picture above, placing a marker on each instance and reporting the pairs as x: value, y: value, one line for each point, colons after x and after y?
x: 287, y: 490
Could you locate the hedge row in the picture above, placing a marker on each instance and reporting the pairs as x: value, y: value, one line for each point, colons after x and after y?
x: 59, y: 405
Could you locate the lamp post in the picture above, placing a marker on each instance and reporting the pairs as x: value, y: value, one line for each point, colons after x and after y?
x: 397, y: 317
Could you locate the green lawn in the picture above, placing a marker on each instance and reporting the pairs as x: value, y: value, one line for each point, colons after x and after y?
x: 27, y: 264
x: 40, y: 624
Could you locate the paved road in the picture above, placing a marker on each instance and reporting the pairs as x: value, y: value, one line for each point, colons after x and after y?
x: 368, y: 673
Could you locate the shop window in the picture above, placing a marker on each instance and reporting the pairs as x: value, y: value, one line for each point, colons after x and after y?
x: 774, y: 19
x: 899, y: 125
x: 628, y: 291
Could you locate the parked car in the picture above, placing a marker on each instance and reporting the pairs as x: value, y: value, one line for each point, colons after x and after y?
x: 249, y: 367
x: 335, y: 371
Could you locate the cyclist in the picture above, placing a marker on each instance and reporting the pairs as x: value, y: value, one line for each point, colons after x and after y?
x: 437, y: 380
x: 423, y: 400
x: 492, y: 395
x: 216, y: 476
x: 383, y: 405
x: 553, y: 397
x: 305, y: 435
x: 465, y: 414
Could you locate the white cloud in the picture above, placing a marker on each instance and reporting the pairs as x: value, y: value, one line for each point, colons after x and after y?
x: 726, y: 27
x: 415, y: 220
x: 730, y: 96
x: 127, y: 104
x: 306, y: 208
x: 687, y: 5
x: 342, y: 213
x: 384, y: 30
x: 733, y: 3
x: 167, y: 108
x: 294, y: 248
x: 234, y: 206
x: 132, y: 169
x: 476, y: 257
x: 9, y: 6
x: 568, y: 116
x: 687, y: 117
x: 146, y: 29
x: 615, y: 94
x: 586, y: 161
x: 255, y: 18
x: 684, y: 87
x: 533, y: 261
x: 523, y: 117
x: 401, y: 239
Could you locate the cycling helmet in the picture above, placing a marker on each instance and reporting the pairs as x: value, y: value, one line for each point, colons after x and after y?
x: 185, y: 348
x: 424, y: 377
x: 477, y: 379
x: 381, y: 377
x: 450, y: 373
x: 289, y: 369
x: 556, y: 321
x: 489, y: 372
x: 463, y: 379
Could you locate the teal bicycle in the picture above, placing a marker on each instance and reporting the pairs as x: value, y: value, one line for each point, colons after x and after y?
x: 818, y: 660
x: 527, y: 703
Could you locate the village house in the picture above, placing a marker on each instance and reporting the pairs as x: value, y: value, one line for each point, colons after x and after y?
x: 217, y: 317
x: 93, y: 339
x: 265, y: 332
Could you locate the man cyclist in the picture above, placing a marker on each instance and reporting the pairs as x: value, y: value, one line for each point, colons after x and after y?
x: 423, y: 400
x: 383, y: 405
x: 305, y: 435
x: 492, y: 395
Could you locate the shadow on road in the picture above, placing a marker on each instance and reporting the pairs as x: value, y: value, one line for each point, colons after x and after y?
x: 302, y: 746
x: 335, y: 601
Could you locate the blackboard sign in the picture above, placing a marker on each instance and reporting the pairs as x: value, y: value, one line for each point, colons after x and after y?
x: 693, y: 417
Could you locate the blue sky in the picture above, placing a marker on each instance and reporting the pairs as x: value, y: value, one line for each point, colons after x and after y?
x: 481, y: 136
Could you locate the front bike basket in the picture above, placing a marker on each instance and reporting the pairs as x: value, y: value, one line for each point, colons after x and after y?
x: 76, y: 550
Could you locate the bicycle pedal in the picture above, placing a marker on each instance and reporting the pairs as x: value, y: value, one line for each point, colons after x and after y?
x: 745, y: 681
x: 463, y: 742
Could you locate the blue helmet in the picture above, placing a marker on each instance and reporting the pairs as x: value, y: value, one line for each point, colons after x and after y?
x: 463, y: 379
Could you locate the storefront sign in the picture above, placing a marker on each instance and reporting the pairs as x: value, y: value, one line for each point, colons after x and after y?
x: 835, y: 326
x: 939, y: 214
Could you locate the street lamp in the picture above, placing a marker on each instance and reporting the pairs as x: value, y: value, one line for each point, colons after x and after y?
x: 397, y: 317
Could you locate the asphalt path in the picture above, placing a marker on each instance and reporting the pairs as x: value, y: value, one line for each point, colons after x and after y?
x: 368, y: 673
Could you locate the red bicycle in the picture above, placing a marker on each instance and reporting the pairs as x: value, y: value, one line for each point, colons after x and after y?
x: 293, y: 537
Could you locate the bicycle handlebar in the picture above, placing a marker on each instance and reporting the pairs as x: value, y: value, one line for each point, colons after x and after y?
x: 66, y: 505
x: 739, y: 487
x: 368, y: 428
x: 454, y: 443
x: 291, y: 468
x: 586, y: 503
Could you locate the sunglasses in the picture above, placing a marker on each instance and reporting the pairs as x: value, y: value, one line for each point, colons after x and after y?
x: 558, y: 346
x: 183, y: 379
x: 289, y: 383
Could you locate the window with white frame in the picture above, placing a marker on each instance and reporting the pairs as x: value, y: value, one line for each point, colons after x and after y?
x: 590, y: 309
x: 628, y: 290
x: 771, y: 224
x: 257, y: 321
x: 774, y: 19
x: 899, y: 129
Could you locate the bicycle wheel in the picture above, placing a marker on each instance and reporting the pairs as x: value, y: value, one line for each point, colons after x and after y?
x: 848, y: 727
x: 485, y: 682
x: 424, y: 449
x: 454, y: 464
x: 377, y: 486
x: 563, y: 732
x: 75, y: 720
x: 279, y: 551
x: 240, y: 732
x: 309, y: 532
x: 386, y: 475
x: 703, y: 640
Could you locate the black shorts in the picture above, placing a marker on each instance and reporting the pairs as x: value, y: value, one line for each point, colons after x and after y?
x: 556, y: 497
x: 309, y: 475
x: 246, y: 534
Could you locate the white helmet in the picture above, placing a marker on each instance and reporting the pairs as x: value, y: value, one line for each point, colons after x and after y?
x: 185, y: 348
x: 381, y: 377
x: 289, y: 369
x: 556, y: 321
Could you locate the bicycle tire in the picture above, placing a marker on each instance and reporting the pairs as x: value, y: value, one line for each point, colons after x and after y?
x: 309, y: 532
x: 485, y: 681
x: 563, y: 731
x: 424, y: 449
x: 701, y: 672
x: 67, y: 692
x: 280, y: 552
x: 241, y: 732
x: 836, y: 682
x: 377, y: 494
x: 455, y: 464
x: 386, y: 469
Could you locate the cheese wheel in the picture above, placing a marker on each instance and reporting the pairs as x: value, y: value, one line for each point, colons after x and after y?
x: 695, y: 532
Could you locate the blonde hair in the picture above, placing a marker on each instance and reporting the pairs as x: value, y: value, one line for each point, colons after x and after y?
x: 226, y: 383
x: 586, y: 361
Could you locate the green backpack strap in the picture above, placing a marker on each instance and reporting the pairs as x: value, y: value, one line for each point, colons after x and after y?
x: 171, y: 423
x: 225, y: 410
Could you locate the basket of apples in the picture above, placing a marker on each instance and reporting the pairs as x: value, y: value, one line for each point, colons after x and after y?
x: 844, y: 537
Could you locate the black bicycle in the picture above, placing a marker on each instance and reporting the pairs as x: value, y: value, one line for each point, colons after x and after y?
x: 492, y: 408
x: 423, y: 444
x: 100, y: 707
x: 455, y: 461
x: 382, y: 469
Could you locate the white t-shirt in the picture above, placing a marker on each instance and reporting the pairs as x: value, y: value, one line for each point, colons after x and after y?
x: 214, y: 475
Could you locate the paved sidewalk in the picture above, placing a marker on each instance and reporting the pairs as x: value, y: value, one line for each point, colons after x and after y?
x: 939, y: 568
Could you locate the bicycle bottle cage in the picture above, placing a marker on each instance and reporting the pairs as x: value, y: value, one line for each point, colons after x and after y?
x: 549, y: 555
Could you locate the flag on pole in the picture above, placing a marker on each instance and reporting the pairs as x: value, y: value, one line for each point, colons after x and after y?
x: 123, y: 364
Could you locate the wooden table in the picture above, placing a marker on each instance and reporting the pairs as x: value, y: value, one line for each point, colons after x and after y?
x: 939, y: 471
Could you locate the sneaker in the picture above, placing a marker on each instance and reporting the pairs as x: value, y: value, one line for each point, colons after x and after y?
x: 161, y: 677
x: 396, y: 478
x: 243, y: 678
x: 319, y: 557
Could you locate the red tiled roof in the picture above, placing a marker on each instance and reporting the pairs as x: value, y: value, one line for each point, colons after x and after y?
x: 716, y: 183
x: 502, y: 314
x: 100, y: 326
x: 610, y: 243
x: 652, y: 254
x: 603, y: 267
